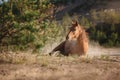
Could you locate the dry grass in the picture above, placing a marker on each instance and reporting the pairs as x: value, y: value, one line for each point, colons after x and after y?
x: 17, y: 57
x: 42, y: 59
x: 28, y: 66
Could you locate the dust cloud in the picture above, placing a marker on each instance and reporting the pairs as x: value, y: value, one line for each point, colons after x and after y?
x: 95, y: 50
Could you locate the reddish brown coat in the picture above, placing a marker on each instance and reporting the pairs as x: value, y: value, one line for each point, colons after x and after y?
x: 76, y: 41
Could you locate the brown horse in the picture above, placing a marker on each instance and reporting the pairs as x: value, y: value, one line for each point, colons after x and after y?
x: 76, y: 41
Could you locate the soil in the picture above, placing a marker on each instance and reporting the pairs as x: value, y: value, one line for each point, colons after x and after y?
x: 63, y: 68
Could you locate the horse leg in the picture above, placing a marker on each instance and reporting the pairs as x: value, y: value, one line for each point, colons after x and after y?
x: 60, y: 48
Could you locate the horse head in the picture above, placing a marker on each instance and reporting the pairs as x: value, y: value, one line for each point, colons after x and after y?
x: 74, y: 31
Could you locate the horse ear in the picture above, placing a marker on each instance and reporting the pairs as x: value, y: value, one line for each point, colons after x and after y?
x: 75, y: 23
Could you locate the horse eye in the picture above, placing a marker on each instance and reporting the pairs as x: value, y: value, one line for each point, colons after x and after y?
x: 72, y: 29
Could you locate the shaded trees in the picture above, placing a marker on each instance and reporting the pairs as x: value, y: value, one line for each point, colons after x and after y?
x: 19, y: 19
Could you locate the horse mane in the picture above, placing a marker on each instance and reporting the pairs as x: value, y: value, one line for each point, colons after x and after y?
x: 84, y: 34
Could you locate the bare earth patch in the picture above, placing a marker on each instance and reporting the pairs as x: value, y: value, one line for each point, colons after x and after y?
x: 62, y: 68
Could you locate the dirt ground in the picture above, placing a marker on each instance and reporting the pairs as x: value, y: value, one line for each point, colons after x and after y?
x: 63, y: 68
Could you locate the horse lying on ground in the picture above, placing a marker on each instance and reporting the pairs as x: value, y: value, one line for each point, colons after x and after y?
x: 76, y: 42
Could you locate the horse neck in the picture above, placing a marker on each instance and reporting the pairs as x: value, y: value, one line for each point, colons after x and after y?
x: 82, y: 36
